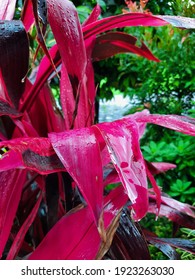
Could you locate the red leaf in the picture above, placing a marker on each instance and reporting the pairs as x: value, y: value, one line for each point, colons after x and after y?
x: 118, y: 21
x: 122, y: 140
x: 93, y: 16
x: 17, y: 243
x: 36, y: 153
x: 75, y: 232
x: 27, y: 16
x: 77, y: 235
x: 10, y: 160
x: 44, y: 114
x: 11, y: 184
x: 7, y: 9
x: 156, y: 189
x: 66, y: 27
x: 79, y: 152
x: 112, y: 43
x: 44, y: 72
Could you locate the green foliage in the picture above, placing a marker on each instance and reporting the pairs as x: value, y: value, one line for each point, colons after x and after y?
x: 179, y: 150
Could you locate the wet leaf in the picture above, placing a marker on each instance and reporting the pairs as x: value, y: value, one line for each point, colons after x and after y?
x: 75, y: 97
x: 182, y: 124
x: 129, y: 242
x: 78, y: 150
x: 122, y: 140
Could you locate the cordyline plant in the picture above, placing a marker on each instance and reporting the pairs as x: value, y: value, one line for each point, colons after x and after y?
x: 55, y: 164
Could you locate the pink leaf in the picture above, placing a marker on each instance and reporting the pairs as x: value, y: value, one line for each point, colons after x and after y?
x: 79, y: 152
x: 122, y: 140
x: 182, y: 124
x: 156, y: 189
x: 7, y: 9
x: 112, y: 43
x: 11, y: 184
x: 159, y: 167
x: 174, y: 204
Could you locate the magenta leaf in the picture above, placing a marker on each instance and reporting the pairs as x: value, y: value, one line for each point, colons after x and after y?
x: 75, y: 95
x: 34, y: 153
x: 14, y: 40
x: 75, y: 232
x: 45, y: 115
x: 111, y: 43
x: 122, y: 140
x: 81, y: 241
x: 135, y: 19
x: 93, y: 16
x: 79, y: 152
x: 10, y: 160
x: 64, y: 21
x: 119, y: 21
x: 178, y: 212
x: 7, y: 9
x: 11, y: 184
x: 18, y: 240
x: 27, y: 16
x: 156, y: 189
x: 44, y: 72
x: 182, y: 124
